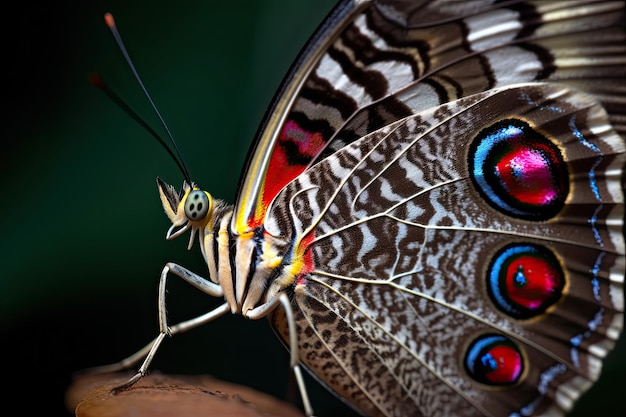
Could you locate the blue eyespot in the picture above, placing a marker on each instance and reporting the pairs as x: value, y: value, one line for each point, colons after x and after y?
x: 494, y: 360
x: 518, y: 171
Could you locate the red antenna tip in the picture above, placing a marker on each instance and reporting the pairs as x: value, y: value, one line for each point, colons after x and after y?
x: 108, y: 19
x: 96, y: 80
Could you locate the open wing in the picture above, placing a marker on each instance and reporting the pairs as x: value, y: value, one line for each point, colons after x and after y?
x: 467, y: 260
x: 374, y: 62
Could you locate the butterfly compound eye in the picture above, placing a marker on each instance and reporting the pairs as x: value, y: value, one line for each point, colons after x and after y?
x: 197, y: 205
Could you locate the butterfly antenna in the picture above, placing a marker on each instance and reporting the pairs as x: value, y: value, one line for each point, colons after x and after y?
x: 110, y: 22
x: 98, y: 82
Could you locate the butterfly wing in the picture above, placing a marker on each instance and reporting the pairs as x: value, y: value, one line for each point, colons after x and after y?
x: 374, y: 62
x: 403, y: 346
x: 414, y: 263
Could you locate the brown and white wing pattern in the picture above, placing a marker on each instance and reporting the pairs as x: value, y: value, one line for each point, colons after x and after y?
x: 445, y: 179
x: 467, y: 260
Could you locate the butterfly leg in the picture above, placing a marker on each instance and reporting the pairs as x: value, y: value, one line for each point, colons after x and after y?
x: 262, y: 311
x: 148, y: 352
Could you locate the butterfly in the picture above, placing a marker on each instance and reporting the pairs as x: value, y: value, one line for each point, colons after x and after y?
x: 431, y: 215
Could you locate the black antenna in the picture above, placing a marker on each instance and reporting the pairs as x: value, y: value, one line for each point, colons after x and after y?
x: 97, y: 81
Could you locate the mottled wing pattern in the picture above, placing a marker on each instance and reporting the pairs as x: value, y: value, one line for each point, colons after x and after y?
x: 395, y: 165
x: 374, y: 62
x: 401, y: 245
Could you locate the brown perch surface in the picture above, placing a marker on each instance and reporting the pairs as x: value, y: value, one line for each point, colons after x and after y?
x: 159, y: 395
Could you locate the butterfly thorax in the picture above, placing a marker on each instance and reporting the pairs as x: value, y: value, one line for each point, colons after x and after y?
x: 251, y: 268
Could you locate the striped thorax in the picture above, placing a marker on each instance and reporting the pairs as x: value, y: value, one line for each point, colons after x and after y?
x: 250, y: 292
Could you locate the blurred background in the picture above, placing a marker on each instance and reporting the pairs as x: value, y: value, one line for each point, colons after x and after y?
x: 82, y: 226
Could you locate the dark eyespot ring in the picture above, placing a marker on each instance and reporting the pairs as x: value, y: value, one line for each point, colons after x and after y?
x: 494, y: 360
x: 197, y: 205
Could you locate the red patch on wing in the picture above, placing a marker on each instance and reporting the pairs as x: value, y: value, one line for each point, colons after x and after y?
x: 293, y: 152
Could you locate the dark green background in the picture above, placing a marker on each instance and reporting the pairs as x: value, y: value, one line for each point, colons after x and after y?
x: 82, y: 226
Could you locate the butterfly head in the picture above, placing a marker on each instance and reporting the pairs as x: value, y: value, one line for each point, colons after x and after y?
x: 191, y: 208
